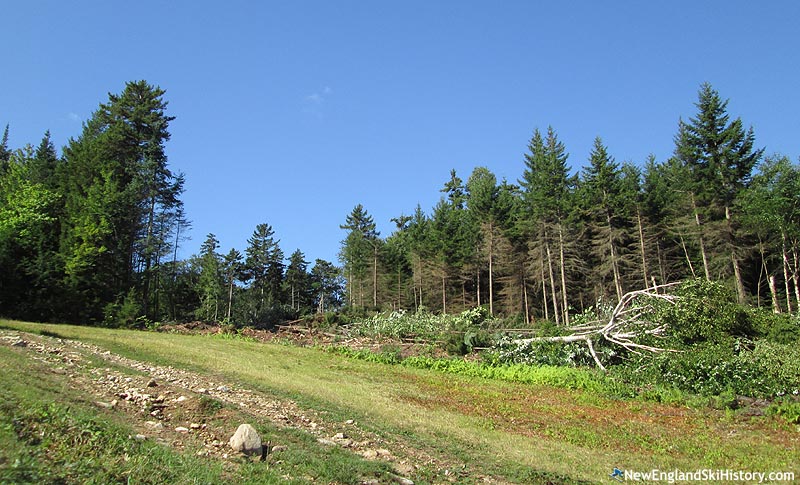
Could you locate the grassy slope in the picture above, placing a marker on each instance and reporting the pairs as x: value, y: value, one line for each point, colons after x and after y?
x: 492, y: 427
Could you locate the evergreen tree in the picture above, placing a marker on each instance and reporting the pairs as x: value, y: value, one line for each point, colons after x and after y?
x: 603, y: 204
x: 117, y: 185
x: 718, y: 156
x: 327, y: 285
x: 298, y: 284
x: 210, y: 282
x: 491, y: 211
x: 547, y: 191
x: 5, y: 153
x: 264, y: 268
x: 232, y: 271
x: 360, y: 250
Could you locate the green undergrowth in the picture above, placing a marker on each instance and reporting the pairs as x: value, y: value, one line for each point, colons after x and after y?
x: 562, y: 377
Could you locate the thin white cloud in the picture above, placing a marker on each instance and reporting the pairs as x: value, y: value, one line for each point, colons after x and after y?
x: 74, y: 117
x: 315, y: 98
x: 314, y: 101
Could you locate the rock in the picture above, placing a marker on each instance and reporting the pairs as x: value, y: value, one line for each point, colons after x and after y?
x: 181, y: 399
x: 278, y: 448
x: 349, y: 421
x: 404, y: 469
x: 246, y: 440
x: 195, y: 425
x: 326, y: 442
x: 182, y: 429
x: 20, y: 343
x: 339, y: 436
x: 402, y: 480
x: 152, y: 383
x: 224, y: 389
x: 154, y: 425
x: 140, y: 437
x: 369, y: 454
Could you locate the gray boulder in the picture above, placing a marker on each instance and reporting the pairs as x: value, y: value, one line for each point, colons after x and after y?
x: 246, y: 440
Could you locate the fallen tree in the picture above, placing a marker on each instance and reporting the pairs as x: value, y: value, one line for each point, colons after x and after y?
x: 627, y: 324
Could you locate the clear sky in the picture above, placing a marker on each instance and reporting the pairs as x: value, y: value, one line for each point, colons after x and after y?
x: 293, y: 112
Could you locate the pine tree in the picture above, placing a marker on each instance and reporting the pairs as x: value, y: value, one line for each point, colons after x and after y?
x: 547, y: 200
x: 603, y: 204
x: 119, y: 166
x: 719, y: 157
x: 491, y: 211
x: 210, y: 282
x: 264, y: 268
x: 359, y: 253
x: 327, y: 285
x: 298, y: 282
x: 5, y: 153
x: 232, y: 270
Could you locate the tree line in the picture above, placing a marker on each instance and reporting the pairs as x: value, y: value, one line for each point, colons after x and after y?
x: 92, y: 236
x: 555, y: 243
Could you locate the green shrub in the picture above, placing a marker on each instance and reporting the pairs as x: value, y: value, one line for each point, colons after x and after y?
x: 787, y: 409
x: 760, y: 369
x: 705, y: 312
x: 782, y: 328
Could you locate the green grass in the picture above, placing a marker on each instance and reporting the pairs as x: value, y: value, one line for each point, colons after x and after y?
x: 480, y: 426
x: 52, y: 433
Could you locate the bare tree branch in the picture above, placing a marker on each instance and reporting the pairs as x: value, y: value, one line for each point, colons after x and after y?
x: 624, y: 326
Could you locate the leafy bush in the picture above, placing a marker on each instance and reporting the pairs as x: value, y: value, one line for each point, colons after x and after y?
x: 787, y: 409
x: 760, y: 369
x: 781, y: 328
x: 706, y: 312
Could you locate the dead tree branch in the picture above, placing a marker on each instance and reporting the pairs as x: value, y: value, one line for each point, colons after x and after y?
x: 626, y: 324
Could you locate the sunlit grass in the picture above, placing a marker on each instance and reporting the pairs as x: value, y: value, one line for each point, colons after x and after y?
x: 491, y: 426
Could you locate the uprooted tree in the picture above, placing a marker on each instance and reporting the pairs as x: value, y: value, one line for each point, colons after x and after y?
x: 630, y: 323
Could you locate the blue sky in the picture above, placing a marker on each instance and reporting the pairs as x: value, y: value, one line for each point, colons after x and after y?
x: 293, y: 112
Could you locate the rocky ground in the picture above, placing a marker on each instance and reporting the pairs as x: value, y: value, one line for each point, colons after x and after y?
x: 174, y: 407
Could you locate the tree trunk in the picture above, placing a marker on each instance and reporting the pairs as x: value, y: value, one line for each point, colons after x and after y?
x: 553, y: 292
x: 491, y: 275
x: 796, y: 275
x: 545, y: 305
x: 563, y: 269
x: 786, y: 269
x: 525, y: 296
x: 230, y: 300
x: 478, y: 284
x: 375, y: 277
x: 444, y: 293
x: 773, y: 289
x: 688, y: 258
x: 614, y: 263
x: 645, y: 275
x: 737, y: 272
x: 701, y: 240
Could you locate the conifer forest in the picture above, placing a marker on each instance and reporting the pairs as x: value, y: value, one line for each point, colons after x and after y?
x: 90, y: 232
